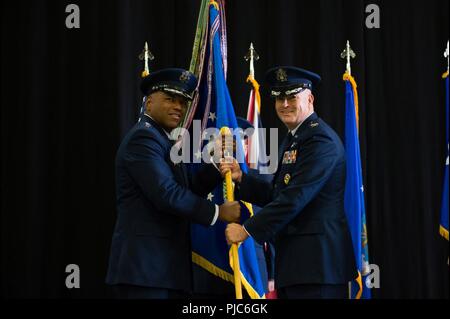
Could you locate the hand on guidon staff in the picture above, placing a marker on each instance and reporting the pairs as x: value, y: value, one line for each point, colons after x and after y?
x: 230, y: 212
x: 230, y: 164
x: 235, y: 233
x: 222, y: 146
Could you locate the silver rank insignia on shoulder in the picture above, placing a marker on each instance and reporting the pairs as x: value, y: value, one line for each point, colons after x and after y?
x: 287, y: 178
x: 289, y: 157
x: 147, y: 125
x: 314, y: 124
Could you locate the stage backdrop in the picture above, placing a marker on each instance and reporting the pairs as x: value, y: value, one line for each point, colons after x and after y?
x: 68, y: 96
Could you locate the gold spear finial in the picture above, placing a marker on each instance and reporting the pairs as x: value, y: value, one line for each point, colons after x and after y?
x: 145, y: 56
x: 347, y: 54
x: 252, y: 56
x: 446, y: 55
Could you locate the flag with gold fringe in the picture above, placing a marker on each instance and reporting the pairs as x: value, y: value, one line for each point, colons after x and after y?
x: 354, y: 191
x: 213, y: 106
x: 443, y: 228
x: 256, y: 156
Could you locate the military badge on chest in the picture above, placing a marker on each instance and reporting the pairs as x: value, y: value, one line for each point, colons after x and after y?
x: 289, y: 157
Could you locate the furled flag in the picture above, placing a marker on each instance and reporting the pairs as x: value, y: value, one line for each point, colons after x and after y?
x: 255, y: 156
x: 214, y: 107
x: 354, y: 191
x: 443, y: 229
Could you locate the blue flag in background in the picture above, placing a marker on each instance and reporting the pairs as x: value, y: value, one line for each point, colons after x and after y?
x: 209, y: 247
x: 443, y: 229
x: 354, y: 191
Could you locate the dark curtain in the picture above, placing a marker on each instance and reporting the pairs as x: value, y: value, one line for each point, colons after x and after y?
x: 69, y: 95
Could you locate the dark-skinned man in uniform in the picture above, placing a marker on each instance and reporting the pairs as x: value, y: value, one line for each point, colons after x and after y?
x: 157, y: 199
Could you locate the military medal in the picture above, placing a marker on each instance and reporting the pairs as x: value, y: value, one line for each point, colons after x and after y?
x: 287, y: 178
x: 293, y: 156
x: 290, y: 157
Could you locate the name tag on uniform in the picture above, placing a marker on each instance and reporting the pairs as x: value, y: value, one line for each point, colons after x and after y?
x: 289, y: 157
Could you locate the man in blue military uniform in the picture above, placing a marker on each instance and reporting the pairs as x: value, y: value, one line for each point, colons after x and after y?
x: 157, y: 199
x: 303, y: 208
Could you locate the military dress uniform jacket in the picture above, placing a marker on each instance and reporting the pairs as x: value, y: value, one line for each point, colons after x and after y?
x: 303, y: 209
x: 156, y: 200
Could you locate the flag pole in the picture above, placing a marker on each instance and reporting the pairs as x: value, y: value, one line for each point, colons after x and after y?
x: 252, y: 56
x: 349, y: 54
x: 254, y: 109
x: 145, y: 56
x: 229, y: 196
x: 442, y: 230
x: 446, y: 55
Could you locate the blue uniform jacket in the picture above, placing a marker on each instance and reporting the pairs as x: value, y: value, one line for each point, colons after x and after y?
x: 303, y: 209
x: 156, y: 201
